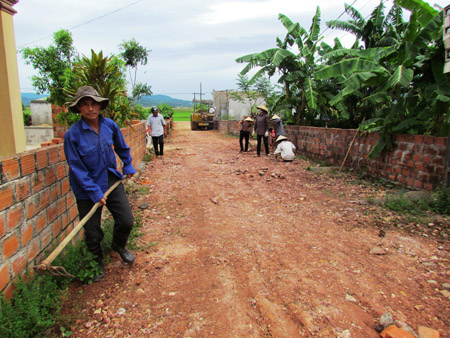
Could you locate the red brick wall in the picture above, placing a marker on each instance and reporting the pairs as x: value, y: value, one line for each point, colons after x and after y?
x: 415, y: 161
x: 37, y: 206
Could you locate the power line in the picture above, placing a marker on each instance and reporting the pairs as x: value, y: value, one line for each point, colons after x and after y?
x: 85, y: 23
x: 338, y: 17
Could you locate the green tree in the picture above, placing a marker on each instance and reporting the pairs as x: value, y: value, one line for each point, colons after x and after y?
x: 246, y: 93
x: 134, y: 55
x: 51, y: 64
x: 294, y: 59
x: 107, y: 76
x: 405, y: 85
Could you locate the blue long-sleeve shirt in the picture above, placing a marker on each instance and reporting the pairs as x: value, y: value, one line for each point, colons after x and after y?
x: 91, y: 156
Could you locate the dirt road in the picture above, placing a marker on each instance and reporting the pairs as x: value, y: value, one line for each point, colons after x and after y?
x: 250, y: 247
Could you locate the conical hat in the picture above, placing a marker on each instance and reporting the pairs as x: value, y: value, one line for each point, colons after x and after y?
x: 281, y: 138
x: 248, y: 119
x: 263, y: 107
x: 275, y: 117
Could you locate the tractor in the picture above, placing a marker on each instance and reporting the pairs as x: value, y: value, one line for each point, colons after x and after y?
x: 202, y: 117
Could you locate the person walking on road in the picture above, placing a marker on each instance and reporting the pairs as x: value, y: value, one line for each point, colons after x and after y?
x: 285, y: 148
x: 90, y: 146
x: 157, y: 130
x: 245, y: 126
x: 262, y: 129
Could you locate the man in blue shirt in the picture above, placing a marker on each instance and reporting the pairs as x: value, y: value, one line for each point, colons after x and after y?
x: 157, y: 129
x: 89, y: 146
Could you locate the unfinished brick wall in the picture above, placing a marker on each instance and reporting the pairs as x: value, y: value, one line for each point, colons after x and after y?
x: 415, y: 161
x: 37, y: 206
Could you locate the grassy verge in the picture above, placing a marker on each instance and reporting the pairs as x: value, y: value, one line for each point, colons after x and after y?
x: 34, y: 309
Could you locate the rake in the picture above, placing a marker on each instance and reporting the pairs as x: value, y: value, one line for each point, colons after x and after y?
x: 45, y: 266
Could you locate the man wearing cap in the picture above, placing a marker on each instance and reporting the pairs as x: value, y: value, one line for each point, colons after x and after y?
x: 262, y: 129
x: 279, y: 130
x: 157, y: 130
x: 245, y: 126
x: 285, y: 148
x: 90, y: 146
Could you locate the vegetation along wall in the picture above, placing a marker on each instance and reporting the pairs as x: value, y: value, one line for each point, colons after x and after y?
x: 415, y: 161
x: 37, y: 206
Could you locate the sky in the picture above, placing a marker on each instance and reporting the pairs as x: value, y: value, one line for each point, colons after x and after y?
x: 194, y: 43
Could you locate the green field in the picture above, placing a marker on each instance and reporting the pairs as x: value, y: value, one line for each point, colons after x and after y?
x: 182, y: 114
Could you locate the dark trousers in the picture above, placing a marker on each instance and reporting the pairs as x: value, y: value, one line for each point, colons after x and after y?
x: 258, y: 144
x: 244, y: 134
x: 158, y: 140
x: 117, y: 203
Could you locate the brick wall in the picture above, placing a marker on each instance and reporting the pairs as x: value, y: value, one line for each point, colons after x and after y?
x: 37, y: 206
x: 415, y: 161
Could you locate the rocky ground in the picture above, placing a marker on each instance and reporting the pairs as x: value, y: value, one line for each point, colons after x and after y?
x: 244, y: 246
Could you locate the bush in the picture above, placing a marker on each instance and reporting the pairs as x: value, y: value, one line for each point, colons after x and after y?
x: 32, y: 309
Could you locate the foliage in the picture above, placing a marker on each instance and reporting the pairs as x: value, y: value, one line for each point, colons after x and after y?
x: 246, y: 93
x: 441, y: 202
x: 141, y: 112
x: 31, y: 311
x: 294, y: 60
x: 26, y: 116
x: 134, y: 55
x: 51, y: 64
x: 107, y: 76
x: 166, y: 110
x: 401, y: 86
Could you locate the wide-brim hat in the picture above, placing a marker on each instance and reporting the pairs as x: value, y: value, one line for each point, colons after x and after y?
x: 87, y: 91
x: 249, y: 119
x: 275, y: 117
x: 281, y: 138
x: 263, y: 107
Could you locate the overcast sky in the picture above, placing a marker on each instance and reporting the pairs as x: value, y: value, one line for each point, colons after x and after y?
x: 191, y: 42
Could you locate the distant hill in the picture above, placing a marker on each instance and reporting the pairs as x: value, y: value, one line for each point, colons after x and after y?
x: 146, y: 101
x: 154, y: 100
x: 28, y: 97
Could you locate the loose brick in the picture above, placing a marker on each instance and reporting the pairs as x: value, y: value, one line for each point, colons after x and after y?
x: 5, y: 276
x: 14, y: 216
x: 10, y: 246
x: 28, y: 164
x: 26, y: 234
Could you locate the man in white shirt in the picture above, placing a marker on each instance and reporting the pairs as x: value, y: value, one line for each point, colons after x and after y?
x: 157, y: 130
x: 285, y: 148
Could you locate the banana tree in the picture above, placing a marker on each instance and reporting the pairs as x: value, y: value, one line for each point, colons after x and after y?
x: 294, y: 60
x: 403, y: 82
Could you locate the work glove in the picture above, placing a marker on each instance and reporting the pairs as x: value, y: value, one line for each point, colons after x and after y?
x: 266, y: 134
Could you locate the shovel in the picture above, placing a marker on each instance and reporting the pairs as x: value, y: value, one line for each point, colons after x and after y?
x: 45, y: 267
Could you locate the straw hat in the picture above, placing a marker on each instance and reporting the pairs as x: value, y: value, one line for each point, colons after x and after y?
x: 275, y: 117
x: 263, y: 107
x: 281, y: 138
x: 88, y: 91
x: 249, y: 119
